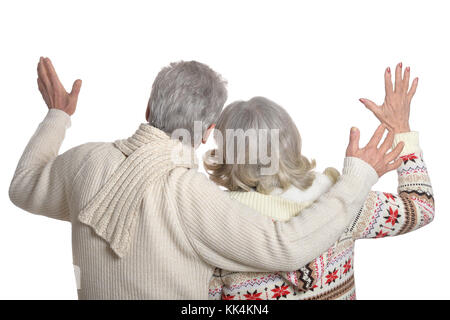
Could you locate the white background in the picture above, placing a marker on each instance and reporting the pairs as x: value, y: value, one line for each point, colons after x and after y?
x: 314, y: 58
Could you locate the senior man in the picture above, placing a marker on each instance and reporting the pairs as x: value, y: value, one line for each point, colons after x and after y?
x: 145, y: 223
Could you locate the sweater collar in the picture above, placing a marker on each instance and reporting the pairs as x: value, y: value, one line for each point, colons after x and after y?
x: 320, y: 185
x: 148, y: 136
x: 283, y: 205
x: 143, y: 135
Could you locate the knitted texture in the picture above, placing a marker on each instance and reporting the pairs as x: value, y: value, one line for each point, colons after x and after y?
x: 165, y: 239
x: 330, y: 275
x: 151, y: 154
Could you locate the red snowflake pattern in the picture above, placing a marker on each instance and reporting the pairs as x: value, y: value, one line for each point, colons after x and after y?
x: 280, y: 291
x: 393, y: 216
x: 253, y: 296
x: 409, y: 157
x: 347, y: 265
x: 389, y: 196
x: 227, y: 297
x: 331, y: 276
x: 380, y: 234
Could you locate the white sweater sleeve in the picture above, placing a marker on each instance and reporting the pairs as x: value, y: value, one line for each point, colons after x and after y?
x: 38, y: 185
x: 231, y: 236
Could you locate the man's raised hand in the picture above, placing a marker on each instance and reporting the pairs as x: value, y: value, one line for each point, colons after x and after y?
x: 52, y: 90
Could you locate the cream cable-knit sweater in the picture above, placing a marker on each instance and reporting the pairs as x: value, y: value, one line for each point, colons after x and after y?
x: 184, y: 225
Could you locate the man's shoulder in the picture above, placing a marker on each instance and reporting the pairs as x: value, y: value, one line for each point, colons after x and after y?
x: 89, y: 146
x: 187, y: 181
x: 86, y: 150
x: 94, y: 154
x: 188, y: 174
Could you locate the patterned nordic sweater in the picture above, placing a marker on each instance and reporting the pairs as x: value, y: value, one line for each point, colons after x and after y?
x: 330, y: 276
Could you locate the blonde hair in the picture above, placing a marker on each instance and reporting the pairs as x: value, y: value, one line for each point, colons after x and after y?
x: 259, y: 113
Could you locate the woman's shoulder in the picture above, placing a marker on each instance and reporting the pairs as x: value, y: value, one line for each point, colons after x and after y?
x: 321, y: 184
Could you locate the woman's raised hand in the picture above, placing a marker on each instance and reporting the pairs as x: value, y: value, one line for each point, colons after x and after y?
x: 379, y: 158
x: 394, y: 112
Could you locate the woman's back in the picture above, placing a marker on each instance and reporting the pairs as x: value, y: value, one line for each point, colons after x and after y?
x: 295, y: 285
x: 330, y: 276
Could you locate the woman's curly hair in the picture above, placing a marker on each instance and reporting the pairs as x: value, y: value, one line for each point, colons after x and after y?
x: 256, y: 114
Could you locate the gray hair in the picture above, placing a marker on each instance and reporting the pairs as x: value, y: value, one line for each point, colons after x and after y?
x: 259, y: 113
x: 183, y: 93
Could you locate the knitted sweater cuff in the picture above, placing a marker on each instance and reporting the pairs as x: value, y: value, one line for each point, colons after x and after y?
x: 56, y: 117
x: 360, y: 171
x: 411, y: 140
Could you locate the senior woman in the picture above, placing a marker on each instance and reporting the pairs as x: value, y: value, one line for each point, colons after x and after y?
x: 296, y: 186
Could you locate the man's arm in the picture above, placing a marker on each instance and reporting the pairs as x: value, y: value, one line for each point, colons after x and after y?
x: 39, y: 183
x: 231, y: 236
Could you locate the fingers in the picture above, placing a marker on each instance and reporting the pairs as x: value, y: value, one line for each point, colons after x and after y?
x: 76, y: 88
x: 394, y: 153
x: 398, y: 78
x: 41, y: 86
x: 376, y: 138
x: 406, y: 79
x: 353, y: 144
x: 392, y: 166
x: 42, y: 74
x: 372, y: 106
x: 387, y: 143
x: 51, y: 73
x: 413, y: 88
x: 388, y: 82
x: 43, y: 92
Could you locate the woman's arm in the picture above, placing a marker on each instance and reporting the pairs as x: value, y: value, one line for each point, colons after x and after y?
x: 386, y: 214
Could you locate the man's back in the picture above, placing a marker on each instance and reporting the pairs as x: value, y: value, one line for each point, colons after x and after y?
x: 159, y: 263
